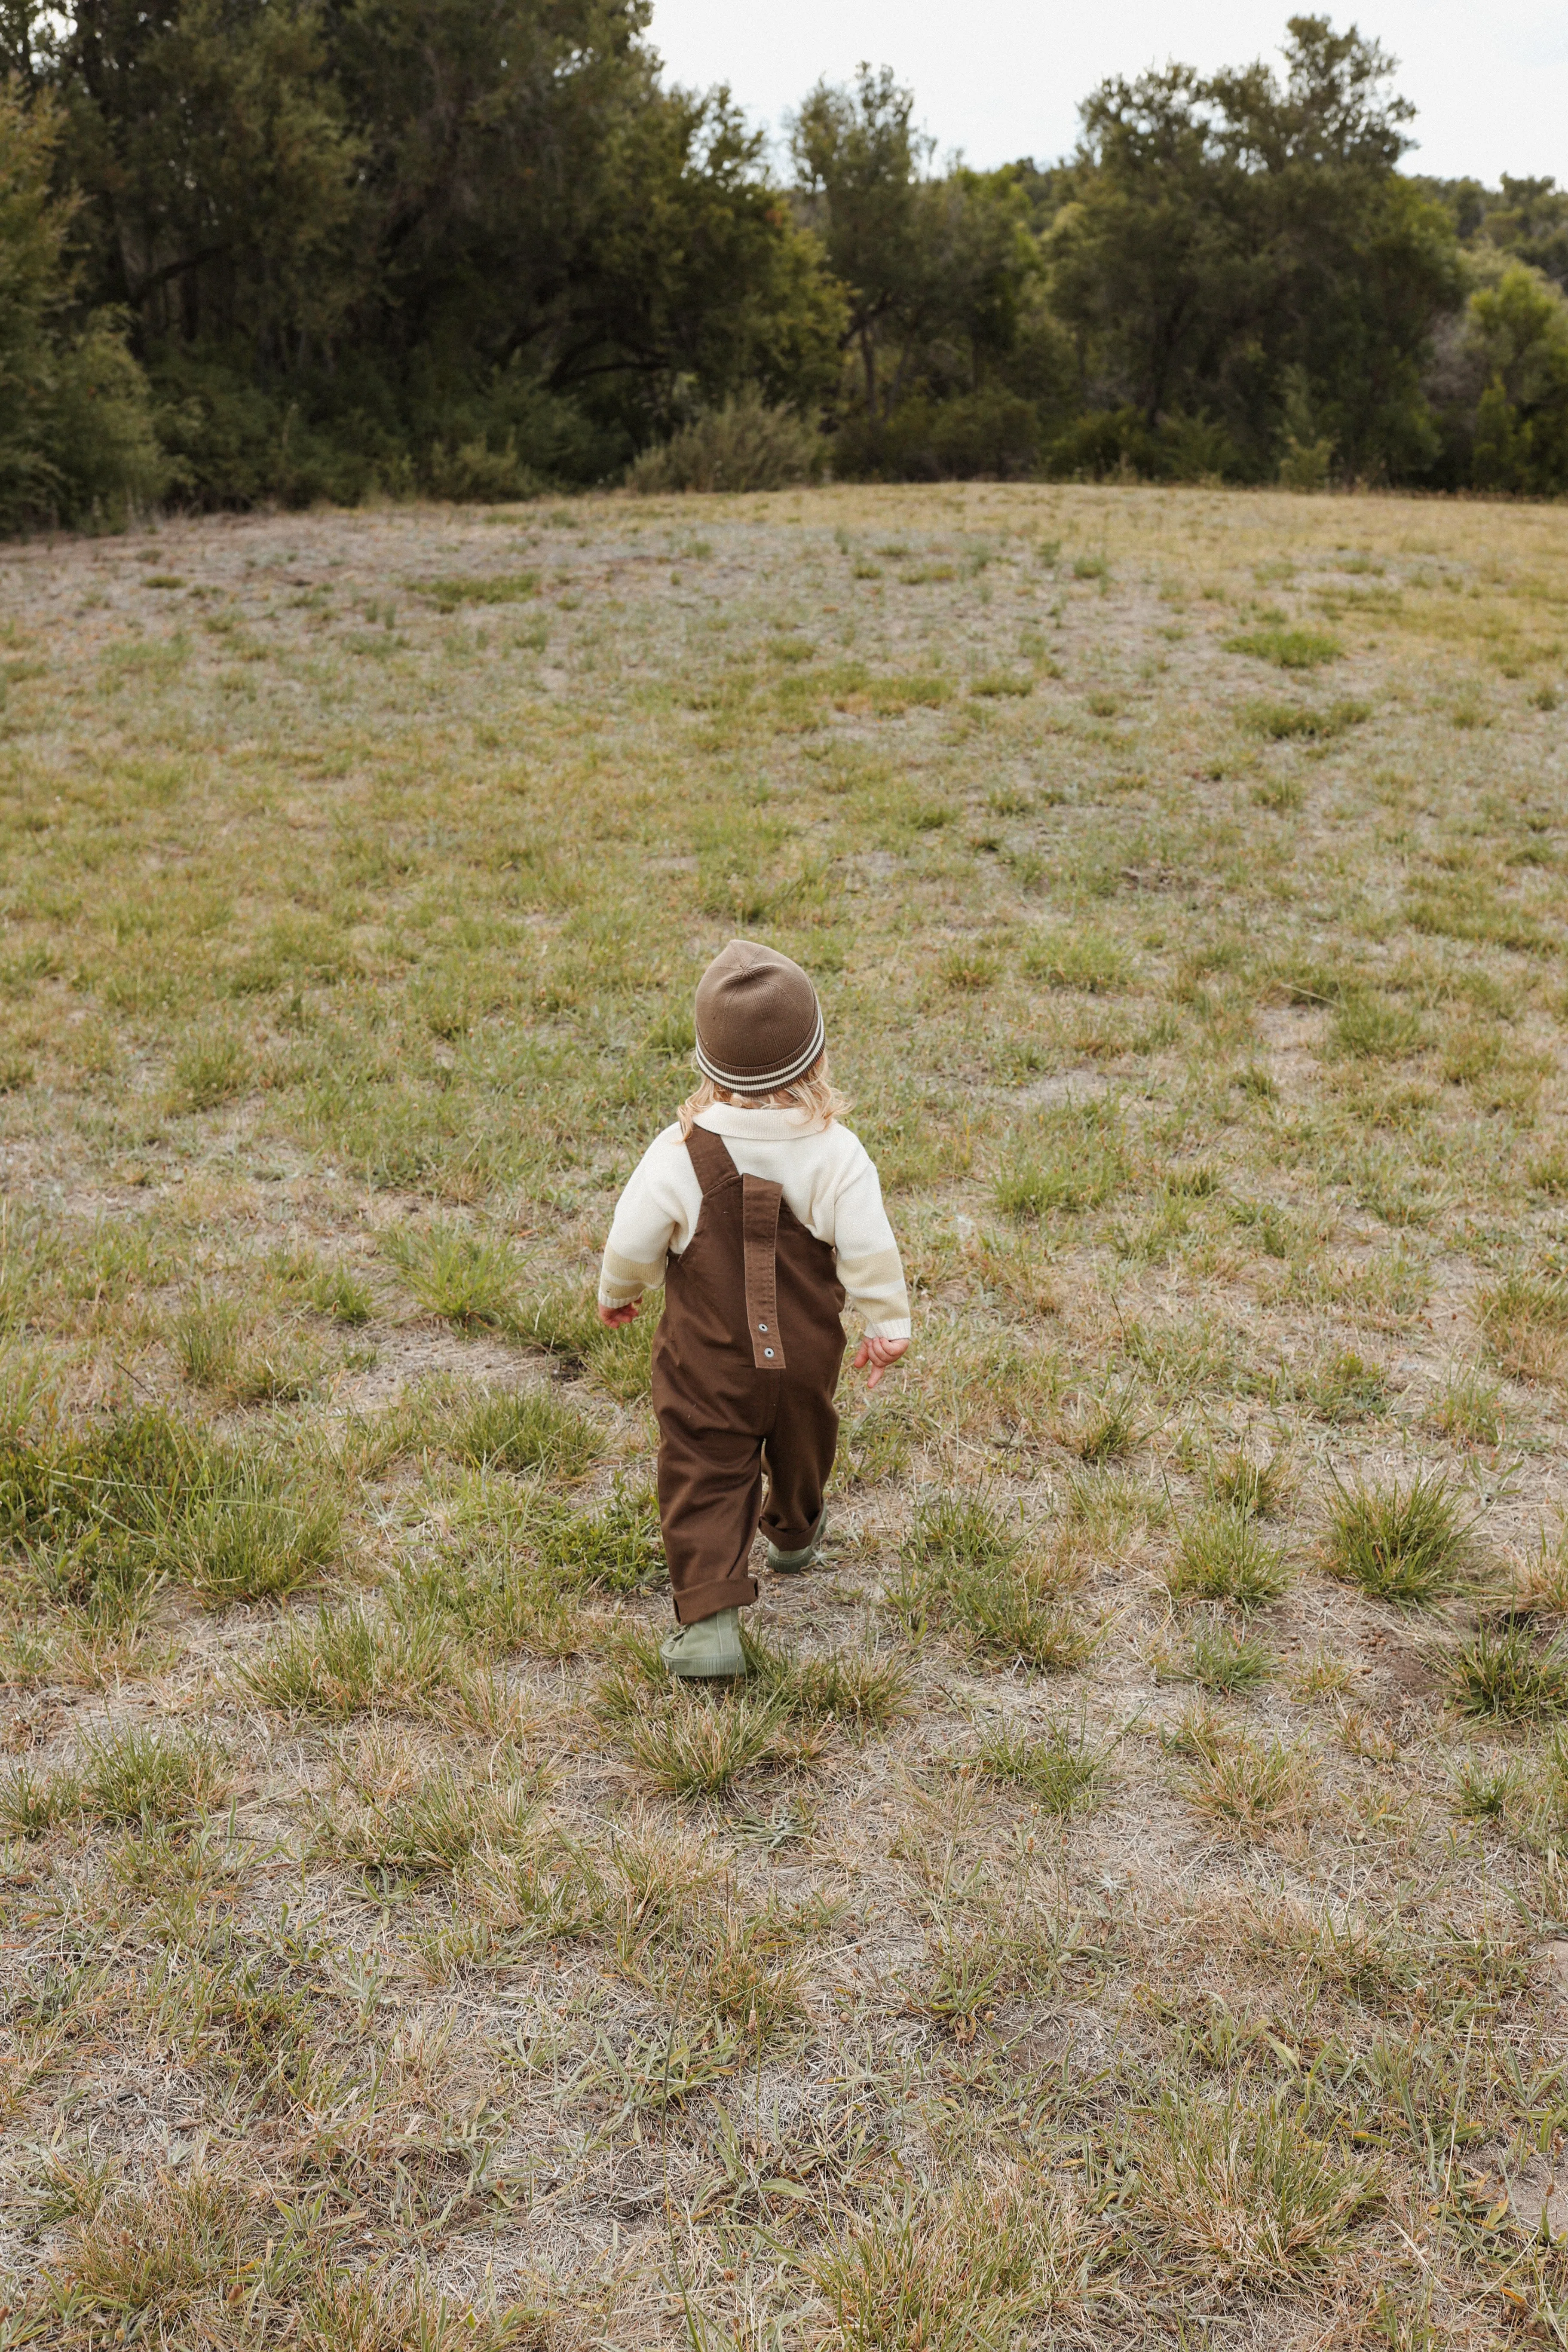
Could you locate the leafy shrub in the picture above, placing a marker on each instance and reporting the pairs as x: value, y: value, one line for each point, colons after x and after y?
x: 76, y: 428
x: 1120, y: 443
x: 992, y: 433
x: 745, y: 445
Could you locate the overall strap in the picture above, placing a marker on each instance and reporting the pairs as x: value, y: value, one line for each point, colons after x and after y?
x: 760, y: 1227
x: 714, y: 1167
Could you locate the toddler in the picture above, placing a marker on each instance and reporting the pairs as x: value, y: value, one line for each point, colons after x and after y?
x: 759, y: 1212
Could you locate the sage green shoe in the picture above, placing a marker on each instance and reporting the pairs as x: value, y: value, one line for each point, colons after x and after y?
x: 795, y: 1563
x: 707, y: 1651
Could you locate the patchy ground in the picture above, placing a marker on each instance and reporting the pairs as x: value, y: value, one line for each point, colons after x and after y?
x: 1127, y: 1904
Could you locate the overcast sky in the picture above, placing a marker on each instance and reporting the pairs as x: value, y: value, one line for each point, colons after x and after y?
x: 1002, y: 79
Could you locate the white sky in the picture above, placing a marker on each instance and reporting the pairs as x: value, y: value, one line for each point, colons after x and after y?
x: 1002, y: 79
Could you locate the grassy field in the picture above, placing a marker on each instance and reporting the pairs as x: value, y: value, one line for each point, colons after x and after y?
x: 1128, y: 1903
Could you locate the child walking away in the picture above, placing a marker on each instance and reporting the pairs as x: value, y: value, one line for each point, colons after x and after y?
x: 759, y: 1212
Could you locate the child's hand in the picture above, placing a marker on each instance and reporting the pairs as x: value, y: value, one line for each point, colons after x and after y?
x: 611, y: 1316
x: 878, y: 1353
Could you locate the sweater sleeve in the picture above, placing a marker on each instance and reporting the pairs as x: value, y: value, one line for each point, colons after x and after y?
x: 869, y: 1266
x: 649, y: 1220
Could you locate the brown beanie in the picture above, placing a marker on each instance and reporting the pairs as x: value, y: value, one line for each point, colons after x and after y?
x: 758, y: 1025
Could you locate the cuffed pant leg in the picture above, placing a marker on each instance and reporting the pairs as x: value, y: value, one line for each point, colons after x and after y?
x: 799, y: 1450
x: 710, y: 1495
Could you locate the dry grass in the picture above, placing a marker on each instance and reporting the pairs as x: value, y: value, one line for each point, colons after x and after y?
x: 1113, y: 1913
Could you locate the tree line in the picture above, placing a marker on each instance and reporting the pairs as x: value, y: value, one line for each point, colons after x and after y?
x: 294, y: 249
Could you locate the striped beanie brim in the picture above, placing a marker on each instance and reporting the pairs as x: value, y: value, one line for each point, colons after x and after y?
x: 758, y: 1025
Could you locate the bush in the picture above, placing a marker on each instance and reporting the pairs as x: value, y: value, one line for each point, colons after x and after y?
x: 745, y: 445
x: 1119, y: 444
x: 358, y: 433
x: 993, y: 433
x: 75, y: 431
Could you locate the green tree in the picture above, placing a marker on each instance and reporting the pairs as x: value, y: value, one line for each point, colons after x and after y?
x: 76, y: 438
x: 1242, y: 248
x: 859, y: 163
x: 1518, y: 331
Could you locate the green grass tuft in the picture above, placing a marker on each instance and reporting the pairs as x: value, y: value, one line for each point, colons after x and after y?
x: 1286, y: 648
x: 1062, y: 1770
x: 1409, y: 1546
x: 463, y: 1275
x: 524, y: 1429
x: 1508, y: 1675
x: 1222, y: 1555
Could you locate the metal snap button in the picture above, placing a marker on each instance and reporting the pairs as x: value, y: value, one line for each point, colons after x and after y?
x: 767, y: 1351
x: 762, y: 1327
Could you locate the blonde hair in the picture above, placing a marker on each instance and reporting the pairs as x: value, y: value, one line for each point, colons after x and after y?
x: 814, y: 1092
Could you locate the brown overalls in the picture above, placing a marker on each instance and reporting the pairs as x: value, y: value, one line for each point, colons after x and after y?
x: 745, y: 1362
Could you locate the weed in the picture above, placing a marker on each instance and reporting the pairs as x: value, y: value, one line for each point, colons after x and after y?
x: 206, y: 1343
x: 1108, y: 1433
x: 340, y: 1292
x: 1321, y: 1675
x: 1345, y: 1387
x: 964, y: 1568
x: 1484, y: 1786
x: 1315, y: 723
x: 968, y: 968
x: 1222, y: 1660
x: 752, y: 1980
x: 448, y: 594
x: 1366, y: 1026
x: 1224, y: 1556
x: 962, y: 2268
x: 1410, y: 1547
x: 861, y: 1690
x: 148, y: 2254
x: 32, y: 1802
x: 343, y: 1664
x: 433, y: 1827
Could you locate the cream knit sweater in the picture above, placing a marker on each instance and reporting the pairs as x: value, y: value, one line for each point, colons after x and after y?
x: 829, y: 1182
